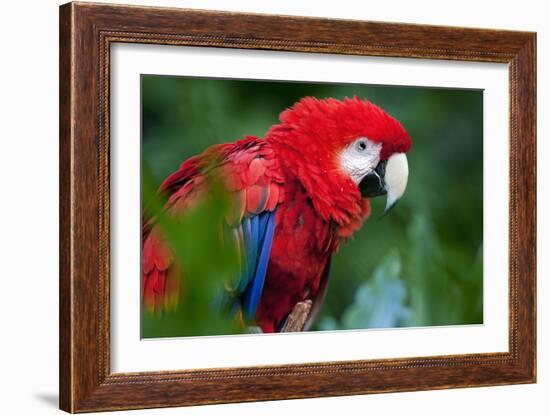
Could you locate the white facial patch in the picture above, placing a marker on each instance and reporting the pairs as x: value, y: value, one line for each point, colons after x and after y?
x: 360, y: 158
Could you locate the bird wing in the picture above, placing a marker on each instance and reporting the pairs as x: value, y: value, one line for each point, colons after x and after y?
x: 254, y: 182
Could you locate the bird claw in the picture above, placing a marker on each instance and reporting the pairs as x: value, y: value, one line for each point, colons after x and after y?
x: 254, y: 330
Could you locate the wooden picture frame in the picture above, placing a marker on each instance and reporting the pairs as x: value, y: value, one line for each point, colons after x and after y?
x: 86, y: 33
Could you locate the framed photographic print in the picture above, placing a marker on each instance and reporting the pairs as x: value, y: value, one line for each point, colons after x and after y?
x: 299, y: 207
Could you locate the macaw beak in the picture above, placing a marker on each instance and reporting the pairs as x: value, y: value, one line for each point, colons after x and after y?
x: 389, y: 177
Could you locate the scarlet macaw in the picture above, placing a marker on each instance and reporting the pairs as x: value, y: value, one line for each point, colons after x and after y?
x: 297, y: 193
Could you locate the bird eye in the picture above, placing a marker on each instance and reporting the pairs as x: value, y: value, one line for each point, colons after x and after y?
x: 361, y: 145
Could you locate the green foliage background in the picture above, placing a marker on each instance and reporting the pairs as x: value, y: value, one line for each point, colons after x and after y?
x: 420, y: 265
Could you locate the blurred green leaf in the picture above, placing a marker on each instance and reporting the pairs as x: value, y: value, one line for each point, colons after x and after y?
x: 207, y: 261
x: 379, y: 302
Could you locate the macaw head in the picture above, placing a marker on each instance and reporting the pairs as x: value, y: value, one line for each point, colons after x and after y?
x: 353, y: 143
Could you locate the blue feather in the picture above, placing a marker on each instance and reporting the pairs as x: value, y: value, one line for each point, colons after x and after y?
x: 248, y: 256
x: 264, y: 226
x: 255, y: 241
x: 263, y: 222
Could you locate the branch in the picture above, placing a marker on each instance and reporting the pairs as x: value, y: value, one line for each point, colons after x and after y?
x: 297, y: 318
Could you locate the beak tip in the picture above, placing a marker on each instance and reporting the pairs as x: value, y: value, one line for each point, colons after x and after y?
x: 390, y: 206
